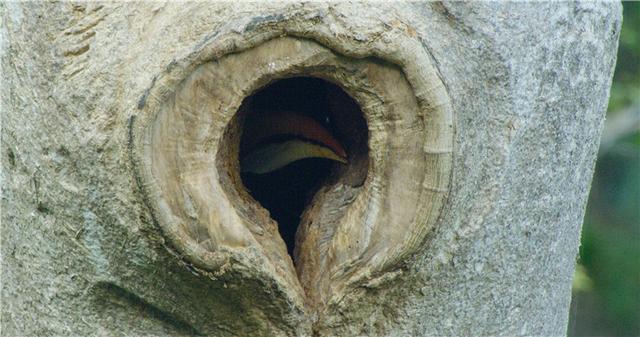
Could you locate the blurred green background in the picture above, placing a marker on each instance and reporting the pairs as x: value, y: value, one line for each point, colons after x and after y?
x: 606, y: 287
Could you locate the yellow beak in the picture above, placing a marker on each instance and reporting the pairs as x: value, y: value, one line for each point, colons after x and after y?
x: 276, y: 155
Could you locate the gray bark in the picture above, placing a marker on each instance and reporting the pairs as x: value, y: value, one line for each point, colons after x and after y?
x: 511, y: 99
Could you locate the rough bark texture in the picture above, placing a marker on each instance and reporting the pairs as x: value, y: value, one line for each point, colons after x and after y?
x: 86, y: 250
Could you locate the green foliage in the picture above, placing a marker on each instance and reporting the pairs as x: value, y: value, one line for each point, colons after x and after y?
x: 608, y: 257
x: 626, y: 80
x: 610, y: 251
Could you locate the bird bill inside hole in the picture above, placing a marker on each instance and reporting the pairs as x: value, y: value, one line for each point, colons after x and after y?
x: 274, y: 140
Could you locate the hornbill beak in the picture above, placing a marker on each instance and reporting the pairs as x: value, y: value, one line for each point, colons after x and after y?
x: 275, y: 139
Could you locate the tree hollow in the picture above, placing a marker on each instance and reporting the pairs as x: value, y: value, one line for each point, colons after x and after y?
x: 350, y: 224
x: 286, y: 192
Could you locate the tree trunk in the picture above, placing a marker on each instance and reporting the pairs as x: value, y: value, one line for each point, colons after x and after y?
x: 471, y: 131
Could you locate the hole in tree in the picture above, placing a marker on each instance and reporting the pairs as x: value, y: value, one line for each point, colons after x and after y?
x: 286, y: 190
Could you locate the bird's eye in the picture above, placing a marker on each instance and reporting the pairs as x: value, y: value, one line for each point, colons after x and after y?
x: 299, y: 135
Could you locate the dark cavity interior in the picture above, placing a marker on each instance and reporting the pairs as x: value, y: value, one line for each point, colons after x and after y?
x: 287, y: 191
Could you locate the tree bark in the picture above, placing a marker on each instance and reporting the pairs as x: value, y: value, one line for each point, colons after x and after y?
x: 459, y: 212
